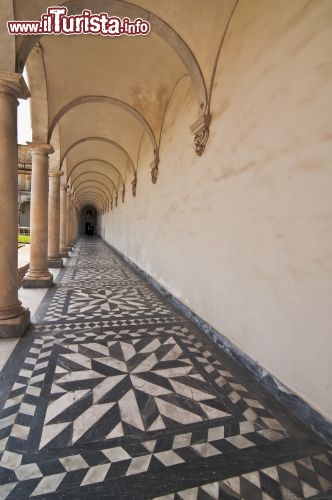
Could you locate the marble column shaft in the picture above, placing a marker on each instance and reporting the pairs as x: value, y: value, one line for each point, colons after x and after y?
x: 13, y: 317
x: 69, y: 240
x: 54, y: 259
x: 63, y: 220
x: 38, y: 275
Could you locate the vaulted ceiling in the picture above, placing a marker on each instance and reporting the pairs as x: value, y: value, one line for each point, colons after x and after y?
x: 96, y: 98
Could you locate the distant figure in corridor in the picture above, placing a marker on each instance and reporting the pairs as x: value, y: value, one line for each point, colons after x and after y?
x: 89, y: 229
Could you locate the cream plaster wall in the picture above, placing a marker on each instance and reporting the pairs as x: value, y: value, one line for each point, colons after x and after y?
x: 242, y: 235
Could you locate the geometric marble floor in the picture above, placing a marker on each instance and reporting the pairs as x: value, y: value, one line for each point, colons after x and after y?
x: 112, y: 393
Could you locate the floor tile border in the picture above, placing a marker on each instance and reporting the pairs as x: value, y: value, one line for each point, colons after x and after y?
x: 291, y: 401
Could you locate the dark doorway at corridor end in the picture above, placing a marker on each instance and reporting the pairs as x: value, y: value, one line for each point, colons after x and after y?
x: 88, y: 221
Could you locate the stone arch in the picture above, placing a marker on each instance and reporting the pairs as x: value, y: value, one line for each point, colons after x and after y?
x: 94, y: 196
x: 95, y: 181
x: 7, y: 42
x: 158, y: 26
x: 93, y: 190
x: 102, y: 139
x: 38, y: 91
x: 107, y: 100
x: 96, y: 160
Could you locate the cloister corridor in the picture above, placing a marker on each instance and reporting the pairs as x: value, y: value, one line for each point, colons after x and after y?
x: 113, y: 393
x: 166, y: 333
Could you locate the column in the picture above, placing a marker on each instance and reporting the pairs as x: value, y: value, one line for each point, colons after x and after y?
x: 54, y: 259
x: 14, y: 319
x: 63, y: 219
x: 74, y: 234
x: 38, y: 275
x: 69, y: 220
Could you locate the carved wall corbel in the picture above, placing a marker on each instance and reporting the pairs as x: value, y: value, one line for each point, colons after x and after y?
x: 154, y: 167
x: 200, y: 129
x: 134, y: 185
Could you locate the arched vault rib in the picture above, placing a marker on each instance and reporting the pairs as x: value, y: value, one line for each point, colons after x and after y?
x: 95, y: 180
x: 95, y: 160
x: 91, y: 196
x: 158, y: 26
x: 93, y: 190
x: 107, y: 100
x: 92, y: 184
x: 102, y: 139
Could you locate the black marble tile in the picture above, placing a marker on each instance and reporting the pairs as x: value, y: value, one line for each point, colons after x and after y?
x: 114, y: 394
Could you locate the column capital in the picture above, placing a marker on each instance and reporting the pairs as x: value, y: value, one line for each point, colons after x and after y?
x: 39, y: 148
x: 13, y: 84
x: 55, y: 173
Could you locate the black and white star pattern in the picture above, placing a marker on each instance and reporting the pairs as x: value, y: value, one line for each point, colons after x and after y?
x: 114, y: 394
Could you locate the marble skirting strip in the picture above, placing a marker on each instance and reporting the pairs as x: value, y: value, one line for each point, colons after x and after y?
x: 291, y: 401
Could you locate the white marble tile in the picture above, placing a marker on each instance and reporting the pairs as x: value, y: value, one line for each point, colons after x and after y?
x: 99, y: 348
x: 213, y: 413
x: 20, y: 431
x: 48, y: 484
x: 6, y: 489
x: 113, y: 363
x: 87, y: 419
x: 240, y: 442
x: 190, y: 494
x: 50, y: 432
x: 182, y: 440
x: 95, y: 474
x: 116, y: 454
x: 74, y: 462
x: 117, y: 431
x: 28, y: 471
x: 147, y: 364
x: 152, y: 346
x: 106, y: 386
x: 25, y: 373
x: 253, y: 477
x: 205, y: 449
x: 7, y: 421
x: 14, y: 401
x: 27, y: 409
x: 79, y: 359
x: 179, y: 371
x: 63, y: 402
x: 176, y: 413
x: 75, y: 376
x: 148, y: 387
x: 129, y: 410
x: 272, y: 472
x: 212, y: 489
x: 216, y: 433
x: 10, y: 460
x: 190, y: 392
x: 139, y: 465
x: 33, y: 391
x: 168, y: 458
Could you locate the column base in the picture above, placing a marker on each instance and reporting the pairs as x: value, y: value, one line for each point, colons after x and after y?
x: 55, y: 262
x: 64, y: 254
x: 37, y: 280
x: 15, y: 327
